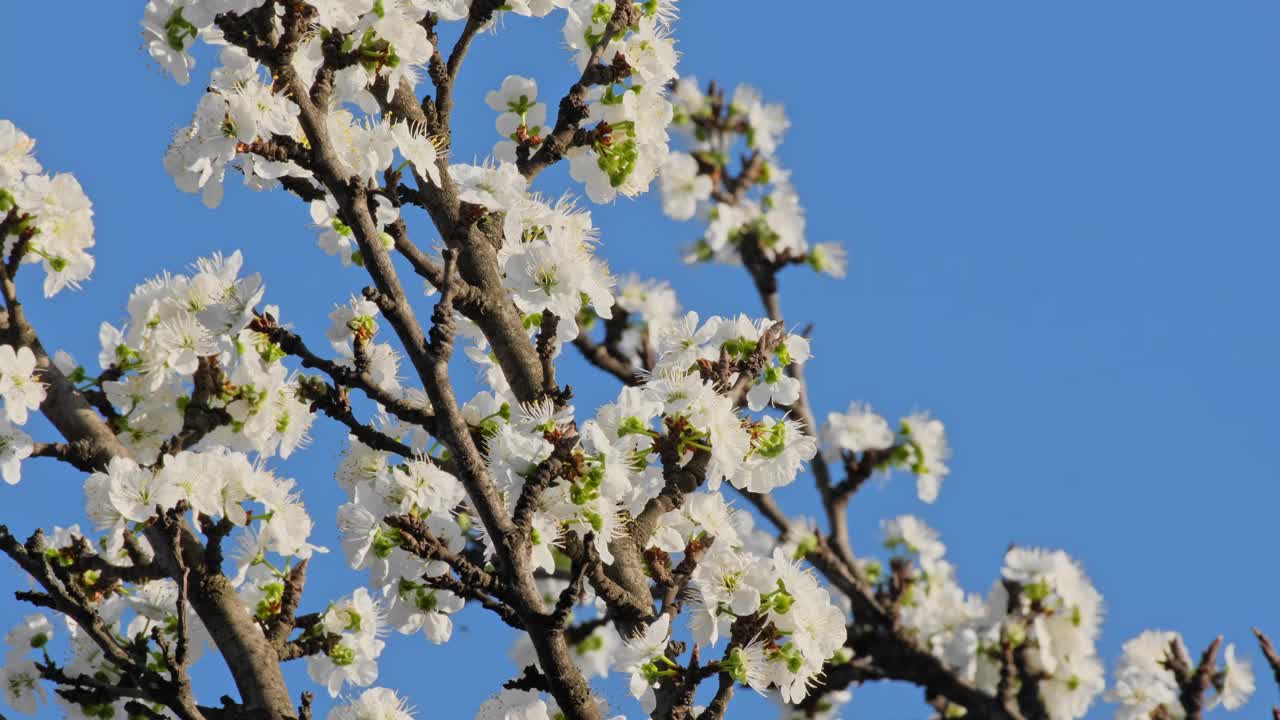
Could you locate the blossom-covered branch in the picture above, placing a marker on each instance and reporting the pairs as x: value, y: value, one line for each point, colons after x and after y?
x: 605, y: 540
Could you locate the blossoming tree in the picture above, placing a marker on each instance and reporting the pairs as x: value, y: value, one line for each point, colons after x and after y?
x: 613, y: 542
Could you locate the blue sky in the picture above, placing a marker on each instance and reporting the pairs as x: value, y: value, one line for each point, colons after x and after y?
x: 1062, y: 223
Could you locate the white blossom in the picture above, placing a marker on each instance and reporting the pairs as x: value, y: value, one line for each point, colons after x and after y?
x: 15, y: 446
x: 17, y: 155
x: 373, y: 704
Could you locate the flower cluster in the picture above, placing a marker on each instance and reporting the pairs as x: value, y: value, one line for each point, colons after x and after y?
x: 521, y: 119
x: 1147, y: 687
x: 148, y: 612
x: 215, y: 483
x: 798, y: 624
x: 45, y: 219
x: 1043, y: 604
x: 352, y: 332
x: 239, y: 108
x: 385, y: 35
x: 22, y: 392
x: 19, y: 678
x: 743, y: 585
x: 548, y: 263
x: 373, y: 704
x: 630, y: 115
x: 753, y: 216
x: 184, y: 326
x: 366, y: 146
x: 243, y: 119
x: 920, y: 445
x: 757, y: 456
x: 417, y: 488
x: 651, y: 307
x: 618, y: 455
x: 353, y: 626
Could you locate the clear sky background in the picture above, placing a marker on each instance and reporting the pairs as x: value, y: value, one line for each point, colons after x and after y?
x: 1062, y: 219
